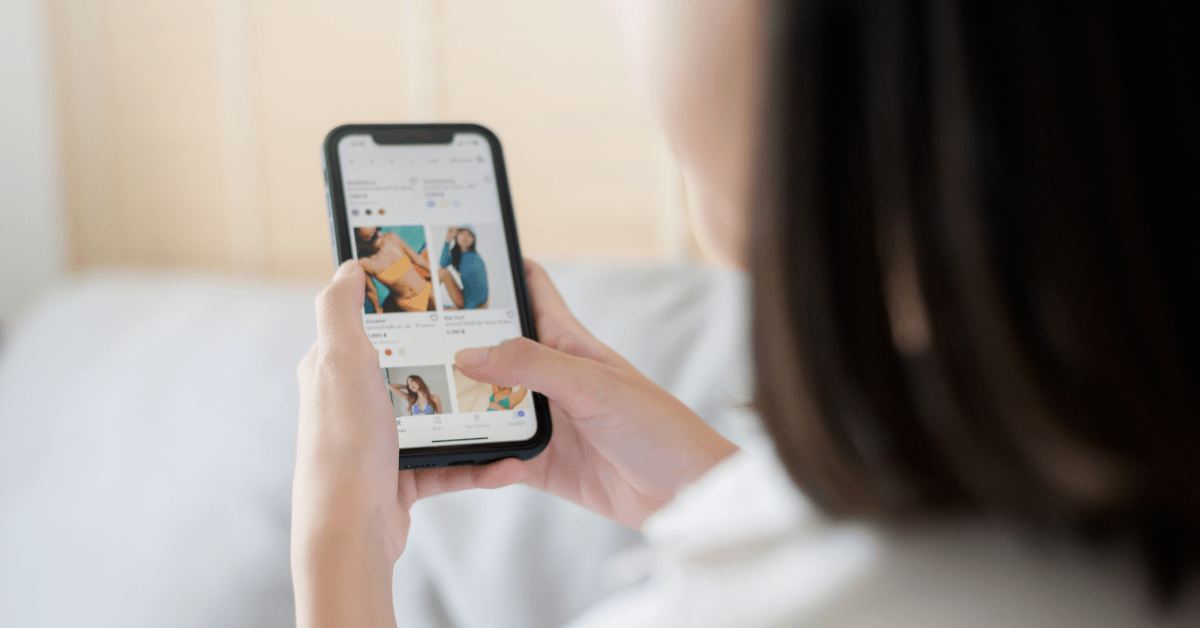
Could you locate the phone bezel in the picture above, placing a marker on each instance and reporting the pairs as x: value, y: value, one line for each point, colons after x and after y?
x: 447, y: 455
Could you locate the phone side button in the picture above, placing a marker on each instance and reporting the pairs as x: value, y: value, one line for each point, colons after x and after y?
x: 332, y: 233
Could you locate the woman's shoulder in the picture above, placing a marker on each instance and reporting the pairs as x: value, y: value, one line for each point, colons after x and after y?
x: 740, y: 547
x: 992, y: 575
x: 743, y: 547
x: 370, y: 263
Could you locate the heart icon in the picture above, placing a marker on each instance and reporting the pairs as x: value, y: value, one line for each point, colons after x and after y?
x: 433, y: 317
x: 511, y: 313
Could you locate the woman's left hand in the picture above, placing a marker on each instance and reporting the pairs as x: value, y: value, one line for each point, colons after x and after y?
x: 349, y: 502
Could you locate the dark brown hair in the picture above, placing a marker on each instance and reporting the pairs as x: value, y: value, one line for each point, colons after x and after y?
x: 456, y: 251
x: 363, y: 245
x: 412, y: 396
x: 975, y: 271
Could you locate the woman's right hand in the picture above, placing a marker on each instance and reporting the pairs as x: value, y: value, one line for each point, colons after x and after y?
x: 450, y: 233
x: 622, y: 446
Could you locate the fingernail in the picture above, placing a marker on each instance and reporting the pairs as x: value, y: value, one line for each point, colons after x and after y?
x: 474, y: 356
x: 344, y: 268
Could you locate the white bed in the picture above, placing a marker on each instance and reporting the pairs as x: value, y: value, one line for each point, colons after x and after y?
x: 147, y: 442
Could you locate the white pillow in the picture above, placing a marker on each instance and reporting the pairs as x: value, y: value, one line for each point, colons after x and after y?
x: 147, y: 439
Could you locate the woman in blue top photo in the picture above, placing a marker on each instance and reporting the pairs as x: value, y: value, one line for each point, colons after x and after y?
x: 460, y: 253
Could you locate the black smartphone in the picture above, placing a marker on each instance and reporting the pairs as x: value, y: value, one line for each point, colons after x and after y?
x: 425, y: 209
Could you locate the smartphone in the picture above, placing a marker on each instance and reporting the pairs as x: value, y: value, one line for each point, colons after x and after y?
x: 425, y: 209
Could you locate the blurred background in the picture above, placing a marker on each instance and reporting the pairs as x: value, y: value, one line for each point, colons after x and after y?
x: 163, y: 233
x: 185, y: 135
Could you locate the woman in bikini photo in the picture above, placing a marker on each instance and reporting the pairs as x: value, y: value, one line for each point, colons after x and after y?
x: 389, y: 259
x: 477, y: 396
x: 506, y: 397
x: 420, y: 399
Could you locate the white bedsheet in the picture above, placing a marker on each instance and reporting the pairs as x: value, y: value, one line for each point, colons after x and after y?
x: 147, y: 437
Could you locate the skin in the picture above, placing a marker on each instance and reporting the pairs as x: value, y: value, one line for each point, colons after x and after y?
x: 433, y: 399
x: 708, y: 107
x: 349, y: 504
x: 422, y: 401
x: 696, y: 64
x: 464, y: 238
x: 385, y: 248
x: 622, y: 446
x: 500, y: 392
x: 465, y: 241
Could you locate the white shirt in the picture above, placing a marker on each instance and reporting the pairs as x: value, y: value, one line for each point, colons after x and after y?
x: 742, y: 547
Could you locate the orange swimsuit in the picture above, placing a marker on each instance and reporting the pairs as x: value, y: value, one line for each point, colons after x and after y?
x: 418, y: 302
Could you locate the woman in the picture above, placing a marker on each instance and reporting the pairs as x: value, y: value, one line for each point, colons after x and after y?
x: 974, y: 337
x: 420, y: 400
x: 473, y: 293
x: 504, y: 398
x: 387, y: 258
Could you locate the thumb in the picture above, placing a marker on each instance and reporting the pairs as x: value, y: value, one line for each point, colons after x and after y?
x: 580, y: 385
x: 557, y: 326
x: 339, y: 310
x: 430, y: 482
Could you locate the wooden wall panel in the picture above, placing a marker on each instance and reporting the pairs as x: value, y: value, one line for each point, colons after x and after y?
x: 166, y: 132
x: 320, y: 64
x: 78, y: 59
x: 550, y: 78
x: 191, y: 129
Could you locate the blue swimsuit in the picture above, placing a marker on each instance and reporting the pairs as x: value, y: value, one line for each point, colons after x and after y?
x: 474, y: 276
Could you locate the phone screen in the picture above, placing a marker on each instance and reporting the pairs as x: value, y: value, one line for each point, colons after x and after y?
x: 426, y: 225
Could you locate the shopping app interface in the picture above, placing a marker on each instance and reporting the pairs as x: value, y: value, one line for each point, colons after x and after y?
x: 426, y: 226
